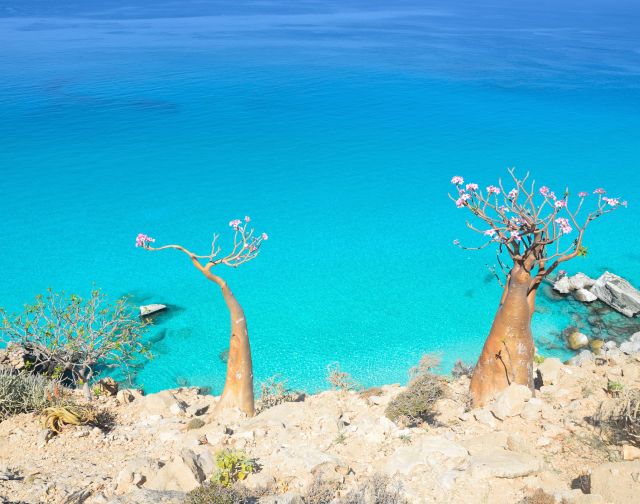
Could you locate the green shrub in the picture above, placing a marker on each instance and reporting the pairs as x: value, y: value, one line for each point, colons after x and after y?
x: 416, y: 403
x: 215, y: 493
x: 195, y: 423
x: 233, y: 466
x: 23, y: 393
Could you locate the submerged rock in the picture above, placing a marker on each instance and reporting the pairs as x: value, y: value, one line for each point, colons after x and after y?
x: 618, y: 293
x: 576, y: 340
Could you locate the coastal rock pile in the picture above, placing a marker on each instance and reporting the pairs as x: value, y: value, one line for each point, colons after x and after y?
x: 164, y: 445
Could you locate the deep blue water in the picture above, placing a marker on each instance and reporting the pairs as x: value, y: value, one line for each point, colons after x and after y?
x: 336, y: 125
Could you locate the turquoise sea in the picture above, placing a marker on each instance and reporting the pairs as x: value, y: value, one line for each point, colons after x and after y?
x: 336, y: 125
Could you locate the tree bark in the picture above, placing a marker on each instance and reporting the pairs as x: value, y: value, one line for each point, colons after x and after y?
x: 507, y: 355
x: 238, y: 387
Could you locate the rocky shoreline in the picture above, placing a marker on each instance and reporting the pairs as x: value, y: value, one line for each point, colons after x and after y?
x: 163, y: 445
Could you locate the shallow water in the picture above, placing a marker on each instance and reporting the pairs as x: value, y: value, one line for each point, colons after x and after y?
x: 337, y: 127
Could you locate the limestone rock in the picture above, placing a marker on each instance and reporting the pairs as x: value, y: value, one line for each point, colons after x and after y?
x: 580, y: 281
x: 145, y: 496
x: 617, y: 482
x: 632, y: 346
x: 495, y: 463
x: 511, y: 401
x: 125, y: 396
x: 618, y: 293
x: 630, y: 453
x: 150, y: 309
x: 584, y: 296
x: 562, y: 285
x: 163, y: 403
x: 582, y: 358
x: 429, y: 451
x: 485, y: 417
x: 175, y: 475
x: 550, y: 370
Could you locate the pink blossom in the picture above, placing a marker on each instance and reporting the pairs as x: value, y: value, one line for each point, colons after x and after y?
x: 611, y: 201
x: 235, y: 223
x: 142, y: 240
x: 516, y: 236
x: 599, y: 190
x: 583, y: 194
x: 624, y: 203
x: 513, y: 194
x: 456, y: 242
x: 247, y: 218
x: 490, y: 232
x: 265, y: 236
x: 560, y: 203
x: 457, y: 180
x: 562, y: 272
x: 472, y: 187
x: 504, y: 209
x: 552, y: 195
x: 544, y: 190
x: 493, y: 189
x: 565, y: 227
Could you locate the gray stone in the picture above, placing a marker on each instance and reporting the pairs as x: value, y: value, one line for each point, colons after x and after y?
x: 429, y: 451
x: 149, y: 497
x: 580, y: 281
x: 175, y: 475
x: 617, y: 482
x: 576, y: 340
x: 192, y: 460
x: 581, y: 358
x: 285, y: 498
x: 511, y: 401
x: 495, y: 463
x: 163, y: 403
x: 562, y: 285
x: 618, y: 293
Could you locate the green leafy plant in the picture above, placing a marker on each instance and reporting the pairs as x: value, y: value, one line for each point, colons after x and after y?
x: 233, y: 466
x: 24, y: 393
x: 416, y: 403
x: 614, y: 388
x: 75, y: 337
x: 538, y: 359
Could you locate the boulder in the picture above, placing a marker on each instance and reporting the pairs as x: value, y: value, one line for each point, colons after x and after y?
x: 576, y: 340
x: 163, y: 403
x: 581, y: 358
x: 618, y: 293
x: 550, y: 370
x: 175, y: 475
x: 630, y: 452
x: 562, y: 285
x: 150, y: 309
x: 632, y: 346
x: 511, y: 401
x: 580, y: 281
x: 617, y: 482
x: 125, y: 396
x: 584, y: 296
x: 485, y: 417
x: 497, y: 463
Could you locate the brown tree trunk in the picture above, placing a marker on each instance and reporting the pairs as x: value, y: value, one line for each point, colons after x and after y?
x: 507, y: 355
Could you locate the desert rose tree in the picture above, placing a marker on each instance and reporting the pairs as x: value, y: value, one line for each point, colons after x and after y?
x: 238, y: 387
x: 534, y: 233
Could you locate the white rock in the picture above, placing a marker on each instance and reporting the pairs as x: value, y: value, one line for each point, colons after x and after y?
x: 580, y: 281
x: 150, y: 309
x: 550, y: 370
x: 584, y: 296
x: 429, y: 451
x: 485, y: 417
x: 175, y: 475
x: 581, y: 358
x: 532, y: 410
x: 495, y: 463
x: 618, y: 293
x: 163, y: 403
x: 562, y: 285
x: 510, y: 402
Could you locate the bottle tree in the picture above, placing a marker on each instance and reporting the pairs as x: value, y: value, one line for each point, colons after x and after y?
x: 534, y: 232
x: 238, y: 387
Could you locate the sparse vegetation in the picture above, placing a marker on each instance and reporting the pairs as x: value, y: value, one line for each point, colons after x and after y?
x: 195, y: 423
x: 341, y: 380
x: 461, y: 368
x: 619, y: 418
x: 55, y: 418
x: 233, y: 466
x: 538, y: 359
x: 614, y: 388
x: 320, y: 492
x: 416, y: 404
x: 23, y: 393
x: 539, y: 497
x: 274, y: 391
x: 378, y: 489
x: 215, y: 493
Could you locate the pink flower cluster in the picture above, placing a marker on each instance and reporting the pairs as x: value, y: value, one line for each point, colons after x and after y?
x: 464, y: 197
x: 142, y: 240
x: 493, y: 190
x: 599, y: 190
x: 560, y: 203
x: 264, y: 236
x: 611, y: 201
x: 457, y: 180
x: 583, y: 194
x: 472, y: 187
x: 565, y: 227
x: 513, y: 194
x: 235, y: 223
x: 547, y: 193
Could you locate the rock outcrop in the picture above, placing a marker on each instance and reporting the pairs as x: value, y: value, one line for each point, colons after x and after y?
x: 618, y: 293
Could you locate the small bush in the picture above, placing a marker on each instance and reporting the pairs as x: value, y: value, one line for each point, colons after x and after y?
x: 538, y: 497
x: 274, y: 391
x: 341, y: 380
x: 195, y: 423
x: 416, y: 404
x: 233, y: 466
x: 320, y: 492
x: 619, y: 418
x: 377, y: 490
x: 215, y: 493
x: 462, y: 369
x: 23, y: 393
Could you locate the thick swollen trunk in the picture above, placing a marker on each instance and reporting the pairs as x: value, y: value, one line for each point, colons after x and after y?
x: 238, y: 387
x: 507, y: 355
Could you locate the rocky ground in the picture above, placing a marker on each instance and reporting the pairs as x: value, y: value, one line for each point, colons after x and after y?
x: 163, y: 445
